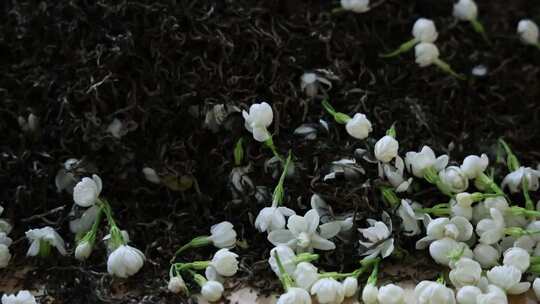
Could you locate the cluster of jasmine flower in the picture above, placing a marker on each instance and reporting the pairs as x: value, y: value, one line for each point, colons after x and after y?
x: 224, y: 264
x: 5, y: 241
x: 22, y: 297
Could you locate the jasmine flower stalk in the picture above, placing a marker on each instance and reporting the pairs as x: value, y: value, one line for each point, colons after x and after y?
x: 423, y: 31
x: 358, y: 126
x: 86, y: 244
x: 514, y: 166
x: 365, y: 265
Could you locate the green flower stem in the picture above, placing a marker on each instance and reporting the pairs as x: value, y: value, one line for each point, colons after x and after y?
x: 44, y: 249
x: 238, y: 152
x: 90, y: 236
x: 391, y: 132
x: 374, y: 274
x: 489, y: 183
x: 441, y: 279
x: 270, y: 144
x: 402, y: 48
x: 446, y: 68
x: 535, y: 260
x: 390, y: 196
x: 525, y: 189
x: 511, y: 159
x: 518, y: 231
x: 432, y: 177
x: 456, y: 254
x: 479, y: 28
x: 339, y: 117
x: 199, y: 241
x: 284, y: 277
x: 365, y: 265
x: 306, y: 257
x: 199, y: 279
x: 438, y: 210
x: 516, y: 210
x: 277, y: 197
x: 116, y: 234
x: 196, y: 265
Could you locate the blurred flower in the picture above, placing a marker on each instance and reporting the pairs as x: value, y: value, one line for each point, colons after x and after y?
x: 394, y: 174
x: 22, y: 297
x: 311, y: 82
x: 287, y: 257
x: 409, y: 218
x: 177, y: 285
x: 508, y: 279
x: 83, y: 250
x: 5, y: 256
x: 528, y: 31
x: 486, y: 255
x: 465, y: 10
x: 424, y: 30
x: 493, y: 295
x: 442, y: 250
x: 426, y: 54
x: 305, y: 275
x: 357, y: 6
x: 468, y: 294
x: 518, y: 258
x: 151, y: 175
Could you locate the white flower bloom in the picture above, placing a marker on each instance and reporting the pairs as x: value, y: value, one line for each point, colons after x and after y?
x: 111, y: 246
x: 474, y: 165
x: 482, y: 210
x: 125, y: 261
x: 514, y: 179
x: 379, y: 239
x: 83, y: 250
x: 225, y: 262
x: 258, y: 119
x: 536, y: 287
x: 85, y: 222
x: 357, y: 6
x: 528, y: 31
x: 507, y: 278
x: 272, y: 218
x: 359, y: 126
x: 518, y: 258
x: 428, y: 292
x: 5, y: 256
x: 328, y: 291
x: 465, y: 272
x: 454, y: 178
x: 302, y: 234
x: 370, y: 293
x: 409, y: 219
x: 465, y: 10
x: 223, y: 235
x: 350, y: 285
x: 494, y: 295
x: 486, y: 255
x: 177, y: 285
x: 468, y: 294
x: 426, y: 54
x: 212, y: 291
x: 295, y: 296
x: 305, y: 275
x: 86, y: 192
x: 394, y: 174
x: 440, y: 250
x: 418, y: 162
x: 22, y: 297
x: 386, y: 149
x: 211, y: 274
x: 286, y: 256
x: 462, y: 206
x: 310, y: 83
x: 424, y: 30
x: 457, y: 228
x: 44, y: 235
x: 391, y: 294
x: 491, y: 230
x: 116, y: 128
x: 151, y: 175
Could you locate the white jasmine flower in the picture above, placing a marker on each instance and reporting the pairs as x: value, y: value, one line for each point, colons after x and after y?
x: 22, y: 297
x: 286, y: 256
x: 465, y: 10
x: 177, y: 285
x: 86, y: 192
x: 310, y: 83
x: 474, y: 165
x: 386, y: 149
x: 5, y: 256
x: 294, y: 295
x: 528, y: 31
x: 111, y: 246
x: 83, y: 250
x: 491, y: 230
x: 225, y: 262
x: 391, y: 294
x: 457, y: 228
x: 418, y: 162
x: 454, y: 178
x: 536, y: 287
x: 395, y: 176
x: 428, y: 292
x: 223, y: 235
x: 409, y: 218
x: 494, y: 295
x: 461, y: 207
x: 151, y: 175
x: 514, y: 179
x: 468, y: 294
x: 116, y: 128
x: 424, y: 30
x: 426, y: 54
x: 482, y: 210
x: 212, y: 291
x: 258, y: 119
x: 305, y: 275
x: 125, y: 261
x: 302, y: 234
x: 379, y: 239
x: 465, y: 272
x: 29, y: 125
x: 357, y: 6
x: 508, y: 278
x: 370, y: 293
x: 65, y: 179
x: 486, y: 255
x: 359, y: 126
x: 350, y: 286
x: 441, y: 250
x: 272, y: 218
x: 518, y: 258
x: 5, y: 240
x: 328, y: 291
x: 85, y: 222
x: 45, y: 236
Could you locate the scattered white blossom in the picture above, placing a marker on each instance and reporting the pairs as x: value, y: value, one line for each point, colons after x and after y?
x: 258, y: 119
x: 225, y: 262
x: 294, y: 295
x: 305, y: 275
x: 328, y: 291
x: 379, y: 239
x: 212, y: 291
x: 454, y: 178
x: 125, y: 261
x: 386, y: 149
x: 359, y: 126
x: 474, y: 165
x: 426, y: 54
x: 87, y: 191
x: 508, y: 279
x: 428, y: 292
x: 528, y: 31
x: 418, y: 162
x: 424, y: 30
x: 45, y: 236
x: 514, y: 179
x: 356, y: 6
x: 223, y: 235
x: 465, y: 10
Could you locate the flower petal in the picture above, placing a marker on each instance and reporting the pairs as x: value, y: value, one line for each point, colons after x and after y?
x: 322, y: 244
x: 281, y: 236
x: 312, y: 220
x: 329, y: 230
